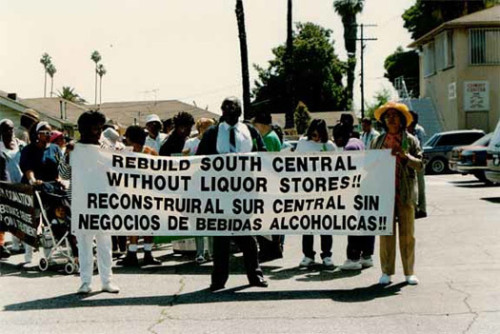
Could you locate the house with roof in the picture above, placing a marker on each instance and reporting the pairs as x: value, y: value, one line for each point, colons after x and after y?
x: 63, y: 114
x: 460, y: 70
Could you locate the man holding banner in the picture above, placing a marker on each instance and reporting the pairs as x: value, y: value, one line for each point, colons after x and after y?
x: 232, y: 136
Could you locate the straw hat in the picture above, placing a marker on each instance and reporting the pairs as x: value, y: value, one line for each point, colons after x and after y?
x: 401, y: 107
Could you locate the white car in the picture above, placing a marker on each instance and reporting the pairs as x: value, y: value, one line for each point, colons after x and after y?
x: 493, y: 157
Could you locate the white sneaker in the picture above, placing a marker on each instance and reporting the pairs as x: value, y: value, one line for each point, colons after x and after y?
x: 84, y: 289
x: 327, y: 262
x: 366, y: 263
x: 110, y: 287
x: 384, y: 279
x: 412, y: 279
x: 200, y: 259
x: 306, y: 262
x: 351, y: 265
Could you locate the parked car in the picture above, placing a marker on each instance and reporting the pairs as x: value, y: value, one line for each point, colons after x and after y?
x: 437, y: 150
x: 471, y: 159
x: 493, y: 157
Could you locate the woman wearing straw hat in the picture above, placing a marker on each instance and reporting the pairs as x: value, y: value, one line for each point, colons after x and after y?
x: 395, y: 117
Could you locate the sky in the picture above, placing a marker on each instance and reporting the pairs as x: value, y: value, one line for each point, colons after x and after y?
x: 186, y: 50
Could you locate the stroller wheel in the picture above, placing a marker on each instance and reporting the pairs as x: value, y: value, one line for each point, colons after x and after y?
x: 69, y: 268
x: 43, y: 264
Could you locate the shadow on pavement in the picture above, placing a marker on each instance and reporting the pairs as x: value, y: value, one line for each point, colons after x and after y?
x: 205, y: 296
x: 491, y: 199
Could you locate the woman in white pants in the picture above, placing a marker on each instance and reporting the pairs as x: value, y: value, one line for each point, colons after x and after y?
x: 90, y: 125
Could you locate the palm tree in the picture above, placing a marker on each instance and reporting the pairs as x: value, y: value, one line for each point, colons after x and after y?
x: 289, y: 116
x: 100, y: 72
x: 240, y: 18
x: 68, y: 93
x: 51, y: 70
x: 45, y: 61
x: 348, y: 9
x: 96, y: 58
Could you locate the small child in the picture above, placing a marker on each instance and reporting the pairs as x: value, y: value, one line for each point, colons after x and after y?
x: 60, y: 224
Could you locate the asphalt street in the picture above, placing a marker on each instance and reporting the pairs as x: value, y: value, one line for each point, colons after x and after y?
x: 457, y: 262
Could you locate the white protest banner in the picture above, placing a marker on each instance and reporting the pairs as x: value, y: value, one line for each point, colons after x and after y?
x: 125, y: 193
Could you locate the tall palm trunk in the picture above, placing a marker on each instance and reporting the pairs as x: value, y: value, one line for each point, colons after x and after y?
x: 289, y: 115
x: 350, y: 35
x: 45, y: 85
x: 240, y: 17
x: 100, y: 90
x: 51, y: 86
x: 95, y: 95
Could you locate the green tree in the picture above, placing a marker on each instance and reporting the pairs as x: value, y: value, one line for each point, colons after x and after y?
x: 302, y: 118
x: 51, y: 70
x: 403, y: 64
x: 68, y: 93
x: 289, y: 121
x: 424, y: 16
x: 46, y: 60
x: 380, y: 98
x: 96, y: 58
x: 348, y: 9
x: 245, y: 76
x: 317, y: 74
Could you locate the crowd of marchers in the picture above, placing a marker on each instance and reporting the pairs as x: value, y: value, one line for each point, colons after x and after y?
x: 40, y: 156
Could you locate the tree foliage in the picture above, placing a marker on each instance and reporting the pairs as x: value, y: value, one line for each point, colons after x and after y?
x: 68, y: 93
x: 348, y: 9
x: 405, y: 64
x: 381, y: 97
x: 317, y: 79
x: 424, y: 16
x: 302, y: 118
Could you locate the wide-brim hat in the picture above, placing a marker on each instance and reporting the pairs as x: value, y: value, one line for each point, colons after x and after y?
x: 401, y: 107
x: 32, y: 114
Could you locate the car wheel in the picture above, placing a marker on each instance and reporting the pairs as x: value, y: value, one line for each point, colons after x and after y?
x: 438, y: 166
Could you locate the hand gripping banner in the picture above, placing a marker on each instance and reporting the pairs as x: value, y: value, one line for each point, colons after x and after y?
x: 125, y: 193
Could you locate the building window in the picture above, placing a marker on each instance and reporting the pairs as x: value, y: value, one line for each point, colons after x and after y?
x: 484, y: 46
x: 444, y: 50
x: 429, y: 60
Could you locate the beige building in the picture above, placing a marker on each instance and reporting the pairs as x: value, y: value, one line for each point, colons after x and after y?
x: 460, y: 70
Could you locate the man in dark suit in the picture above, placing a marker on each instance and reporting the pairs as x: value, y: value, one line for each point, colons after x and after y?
x: 232, y: 136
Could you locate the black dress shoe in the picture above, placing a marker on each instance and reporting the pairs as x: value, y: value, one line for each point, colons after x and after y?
x: 130, y: 260
x: 150, y: 260
x: 260, y: 282
x: 215, y: 287
x: 4, y: 252
x: 420, y: 214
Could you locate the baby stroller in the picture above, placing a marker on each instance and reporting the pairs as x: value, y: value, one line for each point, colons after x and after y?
x: 59, y: 246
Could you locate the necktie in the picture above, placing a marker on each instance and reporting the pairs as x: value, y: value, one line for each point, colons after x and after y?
x: 232, y: 140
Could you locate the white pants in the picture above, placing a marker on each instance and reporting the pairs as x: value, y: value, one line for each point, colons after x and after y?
x: 86, y: 258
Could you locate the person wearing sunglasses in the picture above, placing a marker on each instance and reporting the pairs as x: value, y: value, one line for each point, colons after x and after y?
x: 40, y: 159
x: 316, y: 140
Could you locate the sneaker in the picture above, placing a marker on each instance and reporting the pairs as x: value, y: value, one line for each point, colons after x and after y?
x: 84, y: 289
x: 366, y: 262
x: 412, y: 279
x: 351, y: 265
x: 200, y: 259
x: 384, y: 279
x: 110, y: 287
x: 306, y: 262
x: 327, y: 262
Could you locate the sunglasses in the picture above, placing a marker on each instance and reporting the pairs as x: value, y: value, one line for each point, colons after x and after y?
x: 45, y: 133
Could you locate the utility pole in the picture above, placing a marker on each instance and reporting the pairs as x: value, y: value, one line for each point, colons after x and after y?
x: 363, y: 45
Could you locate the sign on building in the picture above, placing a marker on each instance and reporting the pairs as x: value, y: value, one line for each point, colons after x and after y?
x: 476, y: 96
x: 452, y: 91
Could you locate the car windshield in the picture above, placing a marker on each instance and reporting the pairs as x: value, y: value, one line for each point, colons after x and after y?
x: 432, y: 140
x: 483, y: 141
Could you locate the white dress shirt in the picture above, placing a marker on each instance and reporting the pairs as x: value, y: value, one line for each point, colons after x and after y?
x: 244, y: 143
